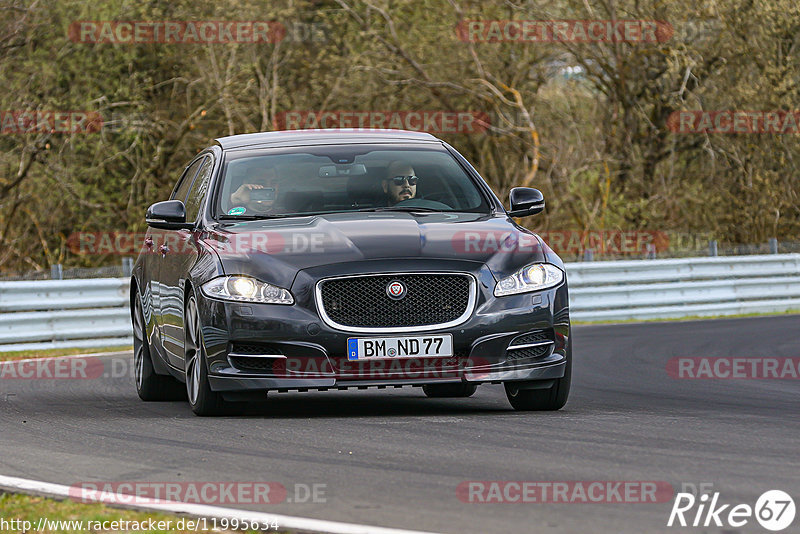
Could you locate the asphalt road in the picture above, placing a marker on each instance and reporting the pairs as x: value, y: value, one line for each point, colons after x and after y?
x: 395, y: 458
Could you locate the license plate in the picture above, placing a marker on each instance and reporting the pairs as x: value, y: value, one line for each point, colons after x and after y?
x: 365, y: 348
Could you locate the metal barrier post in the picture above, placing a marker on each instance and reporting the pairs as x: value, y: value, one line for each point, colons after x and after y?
x: 127, y: 267
x: 712, y: 247
x: 56, y: 272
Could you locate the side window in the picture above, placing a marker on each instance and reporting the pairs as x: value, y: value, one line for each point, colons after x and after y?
x: 198, y: 192
x: 186, y: 182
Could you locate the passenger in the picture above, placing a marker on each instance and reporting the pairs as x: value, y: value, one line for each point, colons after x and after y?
x: 258, y: 194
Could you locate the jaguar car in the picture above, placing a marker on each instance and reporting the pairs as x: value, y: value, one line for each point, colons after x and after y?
x: 336, y: 259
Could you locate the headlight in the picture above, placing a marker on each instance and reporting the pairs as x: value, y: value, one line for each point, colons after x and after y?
x: 246, y: 289
x: 532, y: 277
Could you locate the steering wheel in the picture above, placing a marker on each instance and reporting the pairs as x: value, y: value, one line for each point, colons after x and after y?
x: 437, y: 196
x: 424, y: 203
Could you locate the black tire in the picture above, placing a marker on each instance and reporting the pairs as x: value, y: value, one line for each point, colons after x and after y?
x: 541, y: 399
x: 458, y: 389
x: 150, y: 386
x: 202, y: 399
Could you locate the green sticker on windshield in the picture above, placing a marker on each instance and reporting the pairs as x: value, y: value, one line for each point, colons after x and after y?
x: 238, y: 210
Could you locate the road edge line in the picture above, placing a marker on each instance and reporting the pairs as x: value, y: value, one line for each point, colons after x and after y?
x: 47, y: 489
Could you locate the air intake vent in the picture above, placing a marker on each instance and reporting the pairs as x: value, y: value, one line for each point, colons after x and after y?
x: 532, y: 345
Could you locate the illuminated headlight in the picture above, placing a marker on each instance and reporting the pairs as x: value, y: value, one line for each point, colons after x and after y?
x: 246, y: 289
x: 533, y: 277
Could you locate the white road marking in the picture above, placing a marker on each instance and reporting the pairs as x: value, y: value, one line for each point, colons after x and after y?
x: 23, y: 485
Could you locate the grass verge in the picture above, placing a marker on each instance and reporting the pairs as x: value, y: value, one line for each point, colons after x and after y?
x: 51, y: 353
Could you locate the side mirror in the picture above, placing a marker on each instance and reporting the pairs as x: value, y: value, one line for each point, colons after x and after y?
x: 525, y: 201
x: 168, y: 215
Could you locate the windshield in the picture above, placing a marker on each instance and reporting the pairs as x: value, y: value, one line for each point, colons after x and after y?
x: 340, y: 178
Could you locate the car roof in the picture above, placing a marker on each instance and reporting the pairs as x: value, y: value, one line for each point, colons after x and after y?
x: 322, y: 137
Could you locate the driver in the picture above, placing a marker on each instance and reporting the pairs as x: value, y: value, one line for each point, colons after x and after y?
x: 400, y: 182
x: 257, y: 194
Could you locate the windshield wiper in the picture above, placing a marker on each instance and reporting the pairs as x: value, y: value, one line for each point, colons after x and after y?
x: 252, y: 217
x: 406, y: 208
x: 315, y: 213
x: 372, y: 210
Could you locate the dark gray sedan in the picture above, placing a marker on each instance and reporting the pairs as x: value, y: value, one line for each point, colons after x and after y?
x: 335, y: 259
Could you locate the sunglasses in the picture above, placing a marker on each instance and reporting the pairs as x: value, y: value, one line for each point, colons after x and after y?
x: 399, y: 180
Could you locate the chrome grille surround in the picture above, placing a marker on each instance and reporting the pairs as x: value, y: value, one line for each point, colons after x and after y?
x: 469, y: 308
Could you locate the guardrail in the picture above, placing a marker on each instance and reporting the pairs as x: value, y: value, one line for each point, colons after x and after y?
x: 94, y: 312
x: 91, y: 312
x: 686, y: 287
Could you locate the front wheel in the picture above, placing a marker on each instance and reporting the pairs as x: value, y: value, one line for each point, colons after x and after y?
x: 202, y: 400
x: 527, y: 397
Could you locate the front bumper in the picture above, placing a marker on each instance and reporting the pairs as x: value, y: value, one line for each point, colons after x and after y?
x: 252, y: 383
x: 310, y: 355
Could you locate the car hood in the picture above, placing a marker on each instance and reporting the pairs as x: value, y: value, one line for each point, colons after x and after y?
x: 275, y: 250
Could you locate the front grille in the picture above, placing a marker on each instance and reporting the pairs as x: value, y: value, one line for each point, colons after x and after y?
x: 430, y: 299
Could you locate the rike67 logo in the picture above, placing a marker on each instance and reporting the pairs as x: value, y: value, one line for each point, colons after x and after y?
x: 774, y: 510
